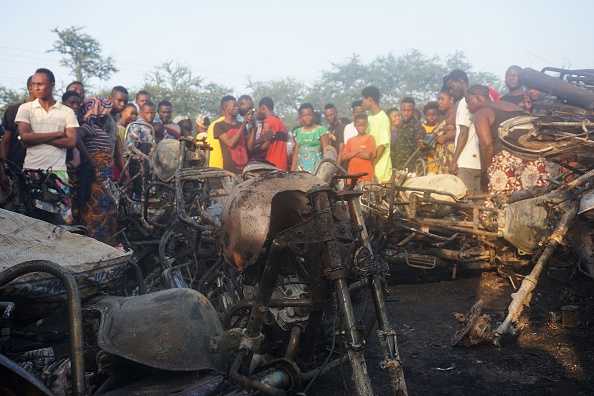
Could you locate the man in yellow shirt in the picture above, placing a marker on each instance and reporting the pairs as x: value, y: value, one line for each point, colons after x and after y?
x: 216, y: 155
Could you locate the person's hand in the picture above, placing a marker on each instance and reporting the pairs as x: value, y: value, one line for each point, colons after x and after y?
x: 526, y: 103
x: 124, y: 176
x: 453, y: 168
x: 270, y: 135
x: 441, y: 139
x: 421, y: 145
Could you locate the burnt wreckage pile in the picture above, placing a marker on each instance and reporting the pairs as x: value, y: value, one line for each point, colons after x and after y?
x: 232, y: 287
x: 237, y: 286
x: 426, y: 222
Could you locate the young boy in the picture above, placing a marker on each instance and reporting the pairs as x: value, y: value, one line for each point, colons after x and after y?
x: 430, y: 111
x: 129, y: 114
x: 360, y: 150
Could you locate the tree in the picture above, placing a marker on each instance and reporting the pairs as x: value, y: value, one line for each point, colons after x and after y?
x: 412, y: 74
x: 10, y: 96
x: 341, y: 85
x: 186, y: 92
x: 458, y: 60
x: 287, y: 94
x: 82, y: 55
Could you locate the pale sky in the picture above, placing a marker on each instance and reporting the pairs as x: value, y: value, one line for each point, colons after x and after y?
x: 227, y: 41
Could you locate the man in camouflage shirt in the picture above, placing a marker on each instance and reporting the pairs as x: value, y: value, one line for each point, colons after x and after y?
x: 409, y: 134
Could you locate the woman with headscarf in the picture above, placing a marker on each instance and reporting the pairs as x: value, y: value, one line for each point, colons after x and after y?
x: 96, y: 142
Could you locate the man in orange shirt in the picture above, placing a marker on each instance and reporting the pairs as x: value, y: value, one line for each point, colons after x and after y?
x: 360, y: 150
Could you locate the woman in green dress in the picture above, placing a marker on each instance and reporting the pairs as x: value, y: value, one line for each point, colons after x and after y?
x: 310, y: 141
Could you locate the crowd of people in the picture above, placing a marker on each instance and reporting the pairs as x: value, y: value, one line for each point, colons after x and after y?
x: 84, y: 140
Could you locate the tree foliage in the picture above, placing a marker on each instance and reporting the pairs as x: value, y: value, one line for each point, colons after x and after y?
x: 10, y: 96
x: 410, y: 74
x: 82, y: 55
x: 287, y: 93
x: 188, y: 93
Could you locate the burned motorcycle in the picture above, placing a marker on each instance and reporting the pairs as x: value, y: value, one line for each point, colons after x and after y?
x: 39, y: 194
x: 294, y: 250
x: 288, y: 239
x: 170, y: 211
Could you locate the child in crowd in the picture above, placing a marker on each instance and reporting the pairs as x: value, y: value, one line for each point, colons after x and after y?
x: 394, y: 117
x: 360, y: 150
x: 430, y: 112
x: 129, y: 115
x: 186, y: 127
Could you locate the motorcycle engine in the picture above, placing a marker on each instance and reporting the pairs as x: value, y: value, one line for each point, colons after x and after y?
x: 290, y: 288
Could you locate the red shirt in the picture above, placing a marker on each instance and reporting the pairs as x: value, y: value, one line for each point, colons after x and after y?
x: 234, y: 159
x: 277, y: 151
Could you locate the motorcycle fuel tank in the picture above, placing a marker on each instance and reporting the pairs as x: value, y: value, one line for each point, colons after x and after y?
x: 263, y: 207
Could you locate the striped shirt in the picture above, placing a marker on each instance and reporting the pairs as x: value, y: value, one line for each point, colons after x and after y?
x: 96, y: 140
x: 57, y: 119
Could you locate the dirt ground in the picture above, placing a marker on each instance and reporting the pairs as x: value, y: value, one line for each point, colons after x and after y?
x: 545, y: 359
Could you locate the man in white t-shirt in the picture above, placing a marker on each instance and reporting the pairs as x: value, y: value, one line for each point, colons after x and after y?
x: 46, y: 127
x: 466, y: 163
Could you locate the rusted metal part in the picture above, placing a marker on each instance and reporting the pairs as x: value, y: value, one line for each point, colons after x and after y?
x: 281, y: 373
x: 199, y: 175
x: 168, y: 329
x: 565, y: 73
x: 525, y: 224
x: 524, y: 294
x: 448, y: 225
x: 234, y: 339
x: 361, y: 379
x: 74, y: 312
x: 249, y: 209
x: 266, y: 287
x: 138, y: 275
x: 293, y: 342
x: 251, y: 336
x: 252, y: 383
x: 309, y: 231
x: 275, y: 303
x: 474, y: 327
x: 309, y: 375
x: 386, y: 335
x: 577, y: 181
x: 555, y: 86
x: 325, y: 170
x: 319, y: 292
x: 146, y: 202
